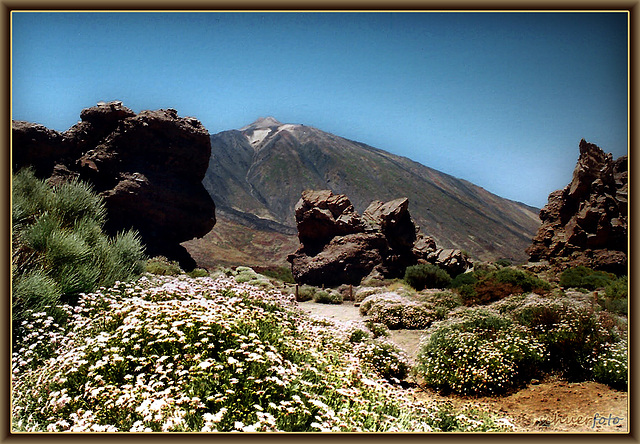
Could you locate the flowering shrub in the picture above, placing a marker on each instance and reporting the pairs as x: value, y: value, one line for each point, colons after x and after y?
x: 397, y: 312
x: 183, y: 354
x: 611, y: 365
x: 374, y: 299
x: 479, y: 352
x: 572, y: 333
x: 387, y: 359
x: 377, y: 329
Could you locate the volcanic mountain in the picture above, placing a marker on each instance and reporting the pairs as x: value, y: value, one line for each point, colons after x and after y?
x: 256, y: 175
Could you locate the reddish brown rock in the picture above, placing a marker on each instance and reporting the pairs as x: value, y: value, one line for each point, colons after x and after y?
x: 340, y: 247
x: 586, y: 222
x: 149, y: 168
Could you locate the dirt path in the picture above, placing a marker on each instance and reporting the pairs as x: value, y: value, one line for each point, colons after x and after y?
x: 554, y: 405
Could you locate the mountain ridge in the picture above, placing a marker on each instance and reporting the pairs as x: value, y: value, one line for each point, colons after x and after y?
x: 257, y: 173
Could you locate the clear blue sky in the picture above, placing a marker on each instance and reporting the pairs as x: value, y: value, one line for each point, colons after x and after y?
x: 499, y: 99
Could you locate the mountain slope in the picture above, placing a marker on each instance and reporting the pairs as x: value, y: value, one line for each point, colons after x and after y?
x: 256, y: 175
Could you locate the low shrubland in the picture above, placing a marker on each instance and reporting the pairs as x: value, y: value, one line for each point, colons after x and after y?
x: 502, y: 346
x: 59, y: 248
x: 183, y: 354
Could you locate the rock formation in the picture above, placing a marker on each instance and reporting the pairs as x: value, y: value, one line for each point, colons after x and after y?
x: 148, y: 167
x: 338, y: 246
x: 586, y: 222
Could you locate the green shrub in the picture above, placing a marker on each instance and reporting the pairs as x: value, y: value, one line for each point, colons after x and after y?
x: 499, y: 284
x: 388, y: 360
x: 283, y: 274
x: 358, y: 335
x: 305, y: 293
x: 479, y: 353
x: 503, y: 263
x: 198, y: 272
x: 33, y: 291
x: 327, y: 297
x: 463, y: 279
x: 611, y: 366
x: 423, y: 276
x: 377, y: 329
x: 526, y: 281
x: 59, y: 246
x: 162, y: 266
x: 616, y: 299
x: 583, y: 277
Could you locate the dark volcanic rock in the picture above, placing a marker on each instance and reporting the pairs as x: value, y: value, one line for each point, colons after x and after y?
x: 340, y: 247
x: 586, y: 222
x: 149, y: 168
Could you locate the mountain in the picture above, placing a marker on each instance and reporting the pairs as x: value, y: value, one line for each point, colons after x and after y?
x: 257, y: 174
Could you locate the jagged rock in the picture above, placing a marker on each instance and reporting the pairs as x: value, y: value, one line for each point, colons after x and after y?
x: 393, y: 220
x: 340, y: 247
x: 148, y: 167
x: 322, y: 215
x: 586, y: 222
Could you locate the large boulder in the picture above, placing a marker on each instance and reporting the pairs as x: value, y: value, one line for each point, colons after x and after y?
x: 148, y: 167
x: 340, y: 247
x: 586, y: 222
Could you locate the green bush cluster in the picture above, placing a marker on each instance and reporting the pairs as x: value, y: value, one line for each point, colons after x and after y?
x: 249, y: 276
x: 198, y: 272
x: 483, y: 287
x: 327, y: 297
x: 584, y: 277
x: 423, y: 276
x: 59, y: 247
x: 161, y: 266
x: 283, y: 274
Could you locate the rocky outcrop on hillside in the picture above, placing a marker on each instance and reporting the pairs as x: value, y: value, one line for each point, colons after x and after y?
x: 338, y: 246
x: 148, y: 167
x: 586, y: 222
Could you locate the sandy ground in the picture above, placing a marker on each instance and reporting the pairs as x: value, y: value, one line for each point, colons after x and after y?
x: 553, y: 405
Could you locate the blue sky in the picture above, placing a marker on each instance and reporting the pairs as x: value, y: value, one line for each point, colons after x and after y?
x: 499, y: 99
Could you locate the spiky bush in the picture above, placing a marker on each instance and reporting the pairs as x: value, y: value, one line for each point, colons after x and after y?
x: 59, y: 247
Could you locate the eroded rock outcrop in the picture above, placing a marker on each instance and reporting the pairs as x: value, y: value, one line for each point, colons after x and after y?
x: 338, y: 246
x: 148, y: 167
x: 586, y: 222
